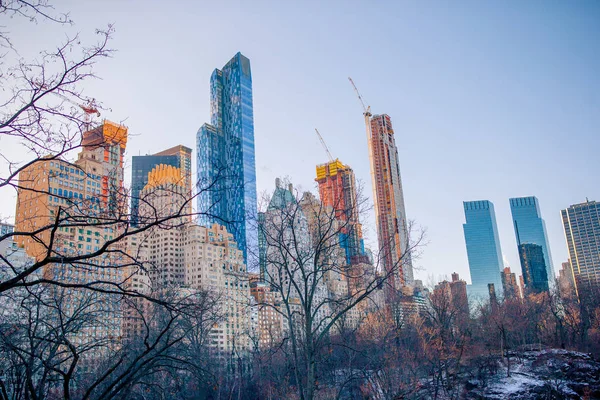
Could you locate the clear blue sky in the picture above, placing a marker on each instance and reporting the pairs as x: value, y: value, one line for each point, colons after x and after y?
x: 489, y: 100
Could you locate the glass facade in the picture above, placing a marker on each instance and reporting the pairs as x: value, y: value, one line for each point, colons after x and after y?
x: 483, y: 247
x: 140, y: 167
x: 581, y: 223
x: 531, y: 228
x: 533, y: 264
x: 226, y: 163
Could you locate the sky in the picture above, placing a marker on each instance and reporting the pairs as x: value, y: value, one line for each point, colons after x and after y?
x: 489, y: 100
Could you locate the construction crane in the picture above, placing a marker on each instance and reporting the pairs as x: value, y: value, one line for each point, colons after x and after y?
x: 324, y: 145
x: 367, y: 114
x: 89, y: 108
x: 366, y: 109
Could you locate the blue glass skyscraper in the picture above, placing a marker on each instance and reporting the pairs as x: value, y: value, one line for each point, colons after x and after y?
x: 226, y: 164
x: 531, y: 228
x: 483, y: 247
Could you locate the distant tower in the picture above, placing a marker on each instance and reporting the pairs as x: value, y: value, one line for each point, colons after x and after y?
x: 531, y: 228
x: 534, y: 268
x: 226, y: 160
x: 566, y: 280
x: 337, y: 189
x: 392, y: 223
x: 458, y: 288
x: 483, y: 246
x: 509, y: 284
x: 581, y: 223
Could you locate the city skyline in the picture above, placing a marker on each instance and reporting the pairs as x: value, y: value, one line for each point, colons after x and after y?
x: 570, y: 111
x: 175, y: 228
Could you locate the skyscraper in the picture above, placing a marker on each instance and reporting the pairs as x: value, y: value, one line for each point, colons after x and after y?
x: 531, y: 228
x: 73, y: 209
x: 483, y: 247
x: 390, y: 213
x: 337, y: 189
x: 226, y: 164
x: 533, y: 264
x: 91, y: 186
x: 178, y: 157
x: 581, y: 223
x: 566, y: 281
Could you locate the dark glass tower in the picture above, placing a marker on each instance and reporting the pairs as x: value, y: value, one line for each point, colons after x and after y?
x: 178, y: 157
x: 534, y: 268
x: 483, y: 247
x: 531, y: 228
x: 226, y: 164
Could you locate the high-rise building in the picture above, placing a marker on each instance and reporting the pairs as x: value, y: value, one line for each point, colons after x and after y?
x: 289, y: 247
x: 483, y: 247
x: 72, y: 209
x: 184, y: 257
x: 269, y: 324
x: 458, y: 289
x: 581, y: 223
x: 337, y: 189
x: 91, y: 186
x: 104, y: 154
x: 566, y: 281
x: 454, y: 293
x: 510, y: 285
x: 390, y: 213
x: 178, y: 156
x: 531, y: 228
x: 226, y: 163
x: 533, y: 265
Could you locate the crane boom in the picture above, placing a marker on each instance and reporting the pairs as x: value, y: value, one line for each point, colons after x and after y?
x: 324, y: 145
x: 89, y: 108
x: 366, y: 109
x: 367, y: 114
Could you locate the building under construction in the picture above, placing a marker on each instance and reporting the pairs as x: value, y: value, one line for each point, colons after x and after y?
x: 337, y: 189
x: 388, y: 196
x: 392, y: 224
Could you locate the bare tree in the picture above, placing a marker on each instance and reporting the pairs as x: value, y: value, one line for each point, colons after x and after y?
x: 52, y: 346
x: 317, y: 288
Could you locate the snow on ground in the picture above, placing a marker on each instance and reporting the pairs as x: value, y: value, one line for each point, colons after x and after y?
x: 516, y: 383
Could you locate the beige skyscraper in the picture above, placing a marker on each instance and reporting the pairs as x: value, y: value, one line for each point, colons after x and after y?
x: 184, y: 257
x: 581, y: 223
x: 392, y: 223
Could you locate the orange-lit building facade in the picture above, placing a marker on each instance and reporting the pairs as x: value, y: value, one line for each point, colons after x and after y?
x: 392, y: 223
x: 337, y: 189
x: 89, y: 188
x: 509, y: 284
x: 71, y: 209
